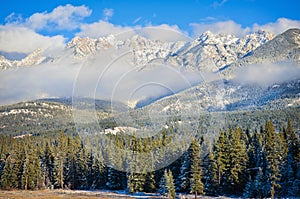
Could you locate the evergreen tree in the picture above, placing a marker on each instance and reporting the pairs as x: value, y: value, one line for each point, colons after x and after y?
x: 163, y: 189
x: 273, y: 157
x: 59, y: 161
x: 31, y: 176
x: 197, y: 186
x: 238, y: 158
x: 48, y: 165
x: 222, y: 158
x: 8, y: 178
x: 166, y: 185
x: 137, y: 181
x: 170, y: 185
x: 288, y: 167
x: 211, y: 179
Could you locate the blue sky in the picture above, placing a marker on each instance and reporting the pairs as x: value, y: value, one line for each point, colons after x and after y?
x: 155, y: 12
x: 28, y: 25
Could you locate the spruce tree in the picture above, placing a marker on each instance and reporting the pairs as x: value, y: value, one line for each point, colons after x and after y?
x: 163, y: 189
x: 32, y: 175
x: 211, y: 178
x: 197, y: 186
x: 170, y: 185
x: 166, y: 185
x: 273, y: 157
x: 238, y: 158
x: 59, y: 161
x: 8, y: 181
x: 48, y: 165
x: 222, y: 149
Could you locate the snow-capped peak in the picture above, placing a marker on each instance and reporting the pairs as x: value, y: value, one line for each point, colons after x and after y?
x: 209, y: 49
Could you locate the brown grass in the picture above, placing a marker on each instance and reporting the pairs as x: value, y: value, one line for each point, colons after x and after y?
x: 56, y: 194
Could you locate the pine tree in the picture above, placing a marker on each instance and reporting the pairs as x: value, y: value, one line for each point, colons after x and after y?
x: 211, y: 179
x: 196, y: 171
x: 8, y: 179
x: 59, y: 161
x: 48, y: 165
x: 32, y: 175
x: 81, y: 168
x: 288, y: 167
x: 222, y: 149
x: 138, y: 167
x: 183, y: 182
x: 258, y: 184
x: 170, y: 185
x: 238, y: 158
x: 163, y: 189
x: 166, y: 185
x: 273, y: 156
x: 114, y: 177
x: 97, y: 177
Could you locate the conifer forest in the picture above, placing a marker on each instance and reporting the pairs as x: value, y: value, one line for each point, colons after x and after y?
x: 239, y: 162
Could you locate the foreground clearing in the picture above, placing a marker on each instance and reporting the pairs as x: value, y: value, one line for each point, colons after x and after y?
x: 56, y: 194
x: 76, y: 194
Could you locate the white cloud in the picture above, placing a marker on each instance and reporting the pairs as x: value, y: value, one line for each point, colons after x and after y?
x: 223, y: 27
x: 28, y: 83
x: 231, y: 27
x: 24, y: 40
x: 100, y: 29
x: 108, y: 13
x: 281, y: 25
x: 163, y: 32
x: 19, y: 35
x: 66, y: 17
x: 267, y: 74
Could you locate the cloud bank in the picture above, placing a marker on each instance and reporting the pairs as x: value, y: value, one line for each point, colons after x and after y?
x: 267, y: 74
x: 231, y: 27
x: 24, y: 40
x: 66, y: 17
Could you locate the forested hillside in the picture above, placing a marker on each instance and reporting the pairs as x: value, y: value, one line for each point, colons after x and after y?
x: 250, y: 163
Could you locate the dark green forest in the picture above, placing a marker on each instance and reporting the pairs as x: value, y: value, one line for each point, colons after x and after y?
x: 238, y: 162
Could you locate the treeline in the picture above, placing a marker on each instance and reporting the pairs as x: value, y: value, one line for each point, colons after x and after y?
x: 263, y: 163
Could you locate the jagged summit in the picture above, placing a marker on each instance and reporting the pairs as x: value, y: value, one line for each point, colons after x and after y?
x: 34, y: 58
x: 209, y: 51
x: 214, y: 51
x: 285, y: 46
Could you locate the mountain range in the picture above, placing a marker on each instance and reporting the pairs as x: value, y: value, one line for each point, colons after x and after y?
x: 226, y: 59
x: 217, y: 49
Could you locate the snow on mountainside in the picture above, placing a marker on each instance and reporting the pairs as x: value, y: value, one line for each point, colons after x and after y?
x: 35, y: 58
x: 209, y: 51
x: 212, y: 52
x: 285, y: 46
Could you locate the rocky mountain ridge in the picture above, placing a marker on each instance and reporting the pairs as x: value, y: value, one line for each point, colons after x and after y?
x: 209, y: 51
x: 285, y: 46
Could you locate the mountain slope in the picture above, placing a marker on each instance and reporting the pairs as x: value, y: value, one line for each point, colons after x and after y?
x: 211, y: 52
x: 34, y: 58
x: 282, y: 47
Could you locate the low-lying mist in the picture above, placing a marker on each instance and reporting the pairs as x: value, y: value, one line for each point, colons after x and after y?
x: 268, y: 73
